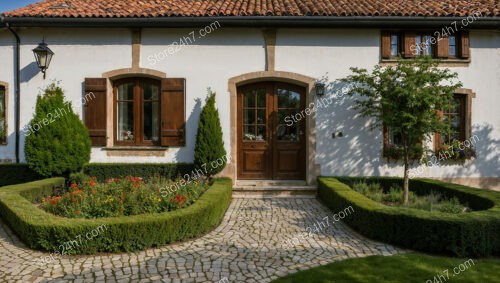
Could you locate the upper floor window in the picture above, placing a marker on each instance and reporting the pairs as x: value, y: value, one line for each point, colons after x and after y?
x: 395, y: 45
x: 452, y: 43
x: 137, y: 108
x: 3, y: 123
x: 410, y: 44
x: 424, y: 44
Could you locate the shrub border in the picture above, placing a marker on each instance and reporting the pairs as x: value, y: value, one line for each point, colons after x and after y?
x: 472, y: 234
x: 102, y: 171
x: 45, y: 231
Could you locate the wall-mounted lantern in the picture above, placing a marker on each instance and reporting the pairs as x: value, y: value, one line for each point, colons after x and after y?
x: 320, y: 88
x: 43, y: 56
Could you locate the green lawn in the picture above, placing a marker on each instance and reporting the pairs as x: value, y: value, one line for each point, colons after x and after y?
x: 412, y: 267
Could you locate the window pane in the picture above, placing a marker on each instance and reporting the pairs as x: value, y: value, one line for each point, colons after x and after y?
x: 451, y: 40
x: 395, y: 137
x: 394, y: 45
x: 288, y: 133
x: 150, y: 92
x: 453, y: 51
x: 126, y: 91
x: 288, y: 99
x: 261, y: 98
x: 418, y: 43
x: 261, y: 116
x: 261, y: 133
x: 249, y: 133
x: 428, y: 45
x: 249, y: 116
x: 125, y: 121
x: 249, y: 99
x: 151, y: 123
x: 289, y: 116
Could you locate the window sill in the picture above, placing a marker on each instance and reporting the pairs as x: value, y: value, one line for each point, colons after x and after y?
x: 443, y: 63
x: 156, y: 151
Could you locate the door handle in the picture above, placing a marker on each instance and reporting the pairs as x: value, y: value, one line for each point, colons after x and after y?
x: 253, y: 146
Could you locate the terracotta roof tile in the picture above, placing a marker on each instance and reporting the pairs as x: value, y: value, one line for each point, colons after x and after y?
x: 199, y: 8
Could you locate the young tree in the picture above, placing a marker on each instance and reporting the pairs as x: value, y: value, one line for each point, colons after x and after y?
x: 57, y: 142
x: 209, y: 152
x: 406, y: 99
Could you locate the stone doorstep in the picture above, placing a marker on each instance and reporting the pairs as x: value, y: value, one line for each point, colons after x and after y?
x: 272, y: 188
x: 267, y: 183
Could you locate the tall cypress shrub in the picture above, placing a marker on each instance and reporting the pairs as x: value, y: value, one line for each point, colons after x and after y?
x: 209, y: 152
x: 57, y: 141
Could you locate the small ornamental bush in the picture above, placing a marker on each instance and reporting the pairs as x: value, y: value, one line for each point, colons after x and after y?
x: 209, y: 151
x: 86, y: 198
x: 57, y: 142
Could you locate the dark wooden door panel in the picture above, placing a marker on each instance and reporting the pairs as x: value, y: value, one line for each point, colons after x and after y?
x: 255, y: 164
x: 269, y: 147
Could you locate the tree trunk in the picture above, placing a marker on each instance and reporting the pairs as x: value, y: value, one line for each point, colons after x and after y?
x: 406, y: 184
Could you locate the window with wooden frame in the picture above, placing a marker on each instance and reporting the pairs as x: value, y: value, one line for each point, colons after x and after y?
x: 146, y: 112
x: 391, y: 43
x: 415, y: 43
x: 3, y: 115
x: 458, y: 116
x: 391, y: 137
x: 452, y: 46
x: 137, y: 112
x: 424, y: 44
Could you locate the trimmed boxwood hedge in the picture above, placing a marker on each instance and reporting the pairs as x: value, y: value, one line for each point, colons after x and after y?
x: 102, y: 171
x: 45, y: 231
x: 473, y: 234
x: 11, y: 174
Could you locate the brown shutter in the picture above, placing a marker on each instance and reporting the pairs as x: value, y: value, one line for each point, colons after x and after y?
x: 173, y: 122
x: 464, y: 44
x: 95, y: 110
x: 409, y: 46
x: 385, y: 45
x: 443, y: 47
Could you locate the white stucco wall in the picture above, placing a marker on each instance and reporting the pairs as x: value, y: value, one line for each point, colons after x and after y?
x: 211, y: 60
x: 328, y: 55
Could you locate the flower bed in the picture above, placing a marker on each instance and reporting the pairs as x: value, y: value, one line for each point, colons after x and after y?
x: 393, y: 196
x: 86, y: 198
x: 42, y: 230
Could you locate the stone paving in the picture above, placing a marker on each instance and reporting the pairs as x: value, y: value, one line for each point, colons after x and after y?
x: 251, y: 245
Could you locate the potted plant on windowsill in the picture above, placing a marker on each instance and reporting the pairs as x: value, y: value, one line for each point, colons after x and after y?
x: 455, y: 151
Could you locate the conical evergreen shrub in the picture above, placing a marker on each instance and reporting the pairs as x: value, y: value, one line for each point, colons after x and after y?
x: 209, y: 152
x: 57, y: 142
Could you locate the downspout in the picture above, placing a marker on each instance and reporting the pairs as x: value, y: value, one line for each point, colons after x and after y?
x: 17, y: 90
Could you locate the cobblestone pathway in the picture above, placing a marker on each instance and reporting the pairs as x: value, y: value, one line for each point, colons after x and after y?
x: 249, y: 246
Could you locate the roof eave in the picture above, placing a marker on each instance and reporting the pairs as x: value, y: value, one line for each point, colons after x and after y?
x: 257, y: 21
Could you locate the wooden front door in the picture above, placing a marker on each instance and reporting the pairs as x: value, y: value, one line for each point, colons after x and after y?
x: 271, y: 131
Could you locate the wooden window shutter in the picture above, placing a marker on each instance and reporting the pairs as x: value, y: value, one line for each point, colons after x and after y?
x: 409, y: 44
x: 464, y: 44
x: 95, y: 109
x: 385, y: 45
x: 443, y: 47
x: 173, y: 120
